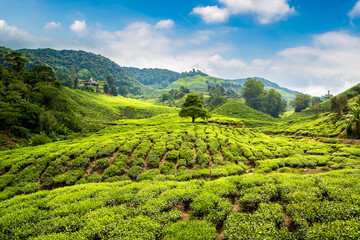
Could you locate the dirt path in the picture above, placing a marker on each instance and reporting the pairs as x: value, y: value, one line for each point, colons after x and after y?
x: 147, y: 159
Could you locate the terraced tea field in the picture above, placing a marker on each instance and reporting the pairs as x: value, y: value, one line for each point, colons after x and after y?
x: 167, y: 178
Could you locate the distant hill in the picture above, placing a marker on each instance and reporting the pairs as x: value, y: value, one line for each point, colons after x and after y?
x: 202, y: 82
x: 84, y: 64
x: 158, y: 78
x: 286, y: 93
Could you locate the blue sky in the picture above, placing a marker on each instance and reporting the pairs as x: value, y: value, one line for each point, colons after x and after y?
x: 306, y: 45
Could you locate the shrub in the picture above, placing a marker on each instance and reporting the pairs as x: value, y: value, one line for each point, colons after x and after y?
x: 39, y: 139
x: 112, y: 171
x: 135, y: 171
x: 203, y: 159
x: 190, y: 230
x: 102, y: 163
x: 167, y: 168
x: 140, y: 227
x: 148, y: 175
x: 93, y: 178
x: 285, y: 170
x: 172, y: 155
x: 200, y: 173
x: 217, y: 160
x: 218, y: 171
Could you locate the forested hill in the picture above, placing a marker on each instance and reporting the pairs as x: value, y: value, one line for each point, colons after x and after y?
x: 84, y: 64
x: 158, y: 78
x: 285, y: 92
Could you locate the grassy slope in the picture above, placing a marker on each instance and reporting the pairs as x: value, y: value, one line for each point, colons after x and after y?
x: 97, y: 107
x: 250, y: 116
x: 201, y: 82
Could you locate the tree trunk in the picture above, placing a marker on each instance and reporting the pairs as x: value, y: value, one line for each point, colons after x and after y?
x: 193, y: 119
x: 357, y: 129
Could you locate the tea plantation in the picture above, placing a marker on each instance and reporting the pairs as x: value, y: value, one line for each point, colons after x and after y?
x: 231, y: 177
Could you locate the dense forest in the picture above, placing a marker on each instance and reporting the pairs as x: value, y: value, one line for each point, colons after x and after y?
x: 70, y: 64
x: 34, y: 102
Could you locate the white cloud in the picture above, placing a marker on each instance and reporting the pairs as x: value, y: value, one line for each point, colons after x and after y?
x: 212, y: 14
x: 331, y: 61
x: 266, y: 11
x: 52, y: 25
x: 12, y: 37
x: 165, y: 24
x: 79, y: 27
x: 355, y: 11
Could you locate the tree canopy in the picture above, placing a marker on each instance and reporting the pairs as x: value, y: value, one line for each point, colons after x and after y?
x: 34, y: 101
x: 193, y: 107
x: 257, y: 97
x: 301, y: 102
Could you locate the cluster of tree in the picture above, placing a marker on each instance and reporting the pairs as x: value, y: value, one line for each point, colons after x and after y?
x: 175, y: 94
x: 303, y: 101
x: 158, y: 78
x: 355, y: 110
x: 34, y: 101
x: 69, y: 65
x: 339, y: 104
x: 267, y: 101
x: 219, y: 96
x: 109, y: 86
x: 193, y: 107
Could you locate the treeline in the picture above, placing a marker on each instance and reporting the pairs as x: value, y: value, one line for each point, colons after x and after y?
x: 33, y: 102
x: 70, y: 65
x: 219, y: 96
x: 267, y: 101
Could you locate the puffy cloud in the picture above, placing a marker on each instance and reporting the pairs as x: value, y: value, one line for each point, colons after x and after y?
x: 266, y: 11
x: 52, y: 25
x: 165, y: 24
x: 12, y: 37
x: 212, y: 14
x: 329, y: 62
x: 355, y: 11
x: 79, y: 27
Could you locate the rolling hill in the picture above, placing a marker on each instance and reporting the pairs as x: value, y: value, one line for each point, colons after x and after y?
x: 201, y: 83
x: 158, y: 78
x: 84, y: 64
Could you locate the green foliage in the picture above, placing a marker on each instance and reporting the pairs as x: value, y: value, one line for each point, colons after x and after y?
x: 301, y: 102
x: 258, y: 98
x: 193, y: 107
x: 338, y: 104
x: 85, y: 65
x: 263, y: 224
x: 252, y: 91
x: 197, y: 230
x: 32, y: 102
x: 158, y: 78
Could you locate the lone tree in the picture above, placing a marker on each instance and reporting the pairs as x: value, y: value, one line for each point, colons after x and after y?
x: 193, y: 107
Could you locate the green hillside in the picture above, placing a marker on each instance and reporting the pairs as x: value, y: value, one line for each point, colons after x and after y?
x: 202, y: 82
x: 83, y: 64
x: 102, y: 108
x: 158, y: 78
